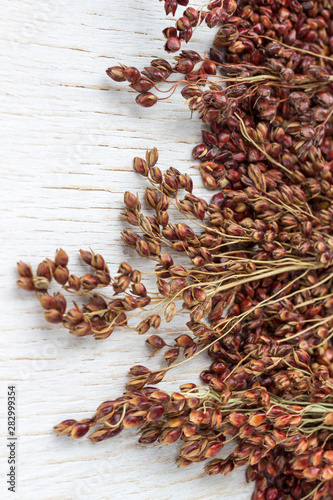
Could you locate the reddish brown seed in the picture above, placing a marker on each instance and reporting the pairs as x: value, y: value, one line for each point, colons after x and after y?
x: 327, y: 473
x: 189, y: 430
x: 163, y: 287
x: 166, y: 260
x: 184, y: 340
x: 328, y: 456
x: 246, y: 305
x: 155, y: 413
x: 146, y: 100
x: 139, y: 370
x: 116, y: 73
x: 170, y: 436
x: 125, y: 268
x: 26, y: 284
x: 142, y: 248
x: 81, y: 330
x: 311, y: 473
x: 74, y: 316
x: 143, y: 327
x: 199, y: 294
x: 301, y: 462
x: 74, y: 282
x: 131, y: 420
x: 151, y: 197
x: 136, y: 276
x: 237, y: 419
x: 140, y: 167
x: 61, y: 302
x: 156, y: 175
x: 155, y: 342
x: 271, y: 494
x: 131, y: 201
x: 89, y: 282
x: 44, y: 270
x: 317, y: 457
x: 53, y: 316
x: 51, y: 264
x: 121, y: 284
x: 86, y: 256
x: 103, y: 277
x: 61, y: 275
x: 171, y: 355
x: 129, y: 303
x: 132, y: 74
x: 143, y: 85
x: 172, y: 45
x: 143, y: 301
x: 183, y: 24
x: 149, y: 436
x: 234, y: 310
x: 155, y: 321
x: 184, y: 66
x: 61, y: 258
x: 196, y: 417
x: 217, y: 385
x: 257, y: 419
x: 139, y: 289
x: 97, y: 262
x: 79, y: 430
x: 48, y: 302
x: 24, y: 270
x: 213, y: 449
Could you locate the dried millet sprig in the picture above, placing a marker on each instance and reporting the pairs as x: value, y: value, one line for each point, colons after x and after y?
x: 204, y: 420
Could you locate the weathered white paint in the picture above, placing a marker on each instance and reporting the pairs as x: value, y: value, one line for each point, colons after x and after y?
x: 68, y: 135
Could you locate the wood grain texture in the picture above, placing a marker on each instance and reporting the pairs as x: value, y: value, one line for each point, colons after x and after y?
x: 68, y: 136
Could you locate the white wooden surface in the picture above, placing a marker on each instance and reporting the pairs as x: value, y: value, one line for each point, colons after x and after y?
x: 68, y: 135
